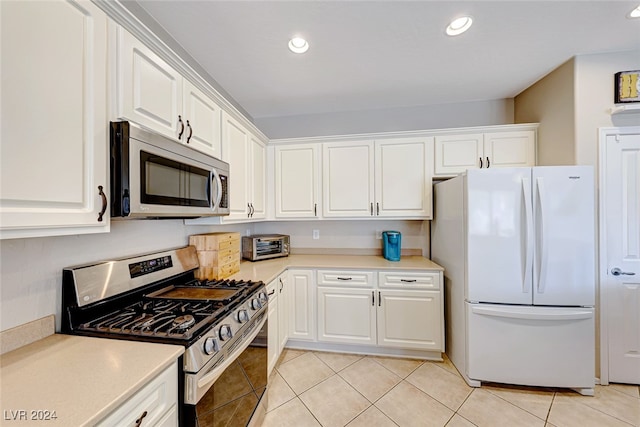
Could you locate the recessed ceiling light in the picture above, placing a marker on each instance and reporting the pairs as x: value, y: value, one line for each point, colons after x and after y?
x: 298, y: 45
x: 635, y: 13
x: 459, y: 26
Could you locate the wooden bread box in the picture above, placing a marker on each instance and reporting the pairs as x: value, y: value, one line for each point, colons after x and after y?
x: 218, y: 254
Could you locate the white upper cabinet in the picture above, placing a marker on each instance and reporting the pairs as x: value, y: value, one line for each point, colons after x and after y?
x: 457, y: 153
x: 152, y: 93
x: 297, y: 181
x: 386, y: 178
x: 403, y: 178
x: 348, y: 179
x: 247, y: 162
x: 54, y: 125
x: 203, y: 121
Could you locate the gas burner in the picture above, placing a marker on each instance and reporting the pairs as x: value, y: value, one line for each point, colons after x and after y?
x: 183, y: 322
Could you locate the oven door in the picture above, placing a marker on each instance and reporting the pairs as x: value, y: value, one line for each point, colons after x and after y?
x: 234, y: 388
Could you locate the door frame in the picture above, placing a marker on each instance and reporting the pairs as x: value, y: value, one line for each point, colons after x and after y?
x: 602, y: 260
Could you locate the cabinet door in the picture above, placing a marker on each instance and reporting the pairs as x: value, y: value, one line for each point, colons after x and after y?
x: 348, y: 179
x: 297, y: 171
x: 235, y: 146
x: 202, y: 121
x: 410, y: 319
x: 54, y: 121
x: 283, y: 311
x: 346, y: 315
x: 273, y: 329
x: 258, y: 172
x: 510, y: 149
x: 149, y: 91
x: 403, y: 171
x: 457, y: 153
x: 302, y: 324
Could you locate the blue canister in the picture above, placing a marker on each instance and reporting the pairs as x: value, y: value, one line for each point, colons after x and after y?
x: 391, y: 244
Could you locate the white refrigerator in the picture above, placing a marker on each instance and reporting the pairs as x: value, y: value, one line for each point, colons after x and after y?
x: 517, y: 246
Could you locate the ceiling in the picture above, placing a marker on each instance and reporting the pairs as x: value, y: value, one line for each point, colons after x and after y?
x: 367, y: 55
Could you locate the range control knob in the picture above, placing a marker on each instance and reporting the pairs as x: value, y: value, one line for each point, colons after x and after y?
x: 256, y: 304
x: 242, y: 316
x: 225, y: 332
x: 263, y: 298
x: 211, y: 345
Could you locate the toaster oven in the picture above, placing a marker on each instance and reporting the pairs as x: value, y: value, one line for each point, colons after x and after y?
x: 265, y: 246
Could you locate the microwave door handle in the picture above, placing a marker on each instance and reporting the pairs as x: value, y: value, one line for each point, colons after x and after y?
x: 215, y: 175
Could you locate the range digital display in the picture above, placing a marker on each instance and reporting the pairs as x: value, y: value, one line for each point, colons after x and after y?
x: 149, y: 266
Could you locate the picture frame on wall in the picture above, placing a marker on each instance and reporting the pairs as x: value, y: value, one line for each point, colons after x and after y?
x: 626, y: 87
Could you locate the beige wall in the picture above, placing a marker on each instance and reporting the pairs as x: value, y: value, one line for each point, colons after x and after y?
x: 550, y: 102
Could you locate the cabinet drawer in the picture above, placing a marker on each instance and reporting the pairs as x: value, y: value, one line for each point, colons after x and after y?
x: 156, y: 399
x: 345, y: 278
x: 409, y: 280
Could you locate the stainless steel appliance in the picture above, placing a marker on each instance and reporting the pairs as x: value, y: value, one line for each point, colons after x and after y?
x: 153, y: 176
x: 265, y: 246
x: 155, y: 297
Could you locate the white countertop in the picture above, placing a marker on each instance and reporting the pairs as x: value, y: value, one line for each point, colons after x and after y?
x: 268, y: 270
x: 82, y: 379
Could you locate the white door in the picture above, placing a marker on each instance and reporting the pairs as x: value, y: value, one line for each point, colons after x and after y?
x: 258, y: 172
x: 149, y: 91
x: 297, y: 169
x: 510, y: 149
x: 457, y: 153
x: 302, y: 306
x: 564, y: 218
x: 203, y: 116
x: 235, y: 145
x: 283, y: 311
x: 499, y: 230
x: 621, y: 234
x: 403, y: 178
x: 346, y: 315
x: 54, y: 124
x: 348, y: 179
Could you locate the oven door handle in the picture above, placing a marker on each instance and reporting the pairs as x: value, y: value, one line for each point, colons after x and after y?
x: 215, y: 373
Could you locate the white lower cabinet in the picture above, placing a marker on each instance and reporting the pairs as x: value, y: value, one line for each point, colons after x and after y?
x: 153, y: 405
x: 302, y: 309
x: 283, y: 311
x: 403, y: 310
x: 273, y: 347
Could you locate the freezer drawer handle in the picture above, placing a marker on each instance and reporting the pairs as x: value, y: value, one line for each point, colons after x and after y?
x: 617, y: 272
x: 516, y: 314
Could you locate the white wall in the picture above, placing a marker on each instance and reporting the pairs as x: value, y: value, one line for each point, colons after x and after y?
x: 31, y: 269
x: 480, y: 113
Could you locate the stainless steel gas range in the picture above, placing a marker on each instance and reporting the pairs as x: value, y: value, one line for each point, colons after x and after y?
x: 155, y: 297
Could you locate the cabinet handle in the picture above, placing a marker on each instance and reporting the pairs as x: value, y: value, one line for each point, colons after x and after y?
x: 253, y: 210
x: 281, y: 284
x: 345, y: 278
x: 315, y: 209
x: 104, y: 203
x: 248, y: 210
x: 480, y: 162
x: 272, y: 292
x: 373, y: 298
x: 379, y: 299
x: 181, y: 127
x: 190, y: 131
x: 377, y: 208
x: 139, y: 420
x: 408, y: 280
x: 488, y: 163
x: 371, y: 208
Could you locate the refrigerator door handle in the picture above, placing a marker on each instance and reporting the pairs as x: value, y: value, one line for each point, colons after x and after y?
x: 528, y: 209
x: 514, y: 313
x: 542, y: 233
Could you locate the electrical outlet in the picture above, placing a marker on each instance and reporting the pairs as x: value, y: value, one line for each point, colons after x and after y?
x: 248, y: 232
x: 379, y: 234
x: 316, y: 234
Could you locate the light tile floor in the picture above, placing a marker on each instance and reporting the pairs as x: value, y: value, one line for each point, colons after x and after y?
x: 329, y: 389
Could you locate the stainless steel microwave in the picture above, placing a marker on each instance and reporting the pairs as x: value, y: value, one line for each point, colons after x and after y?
x: 155, y: 177
x: 265, y: 246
